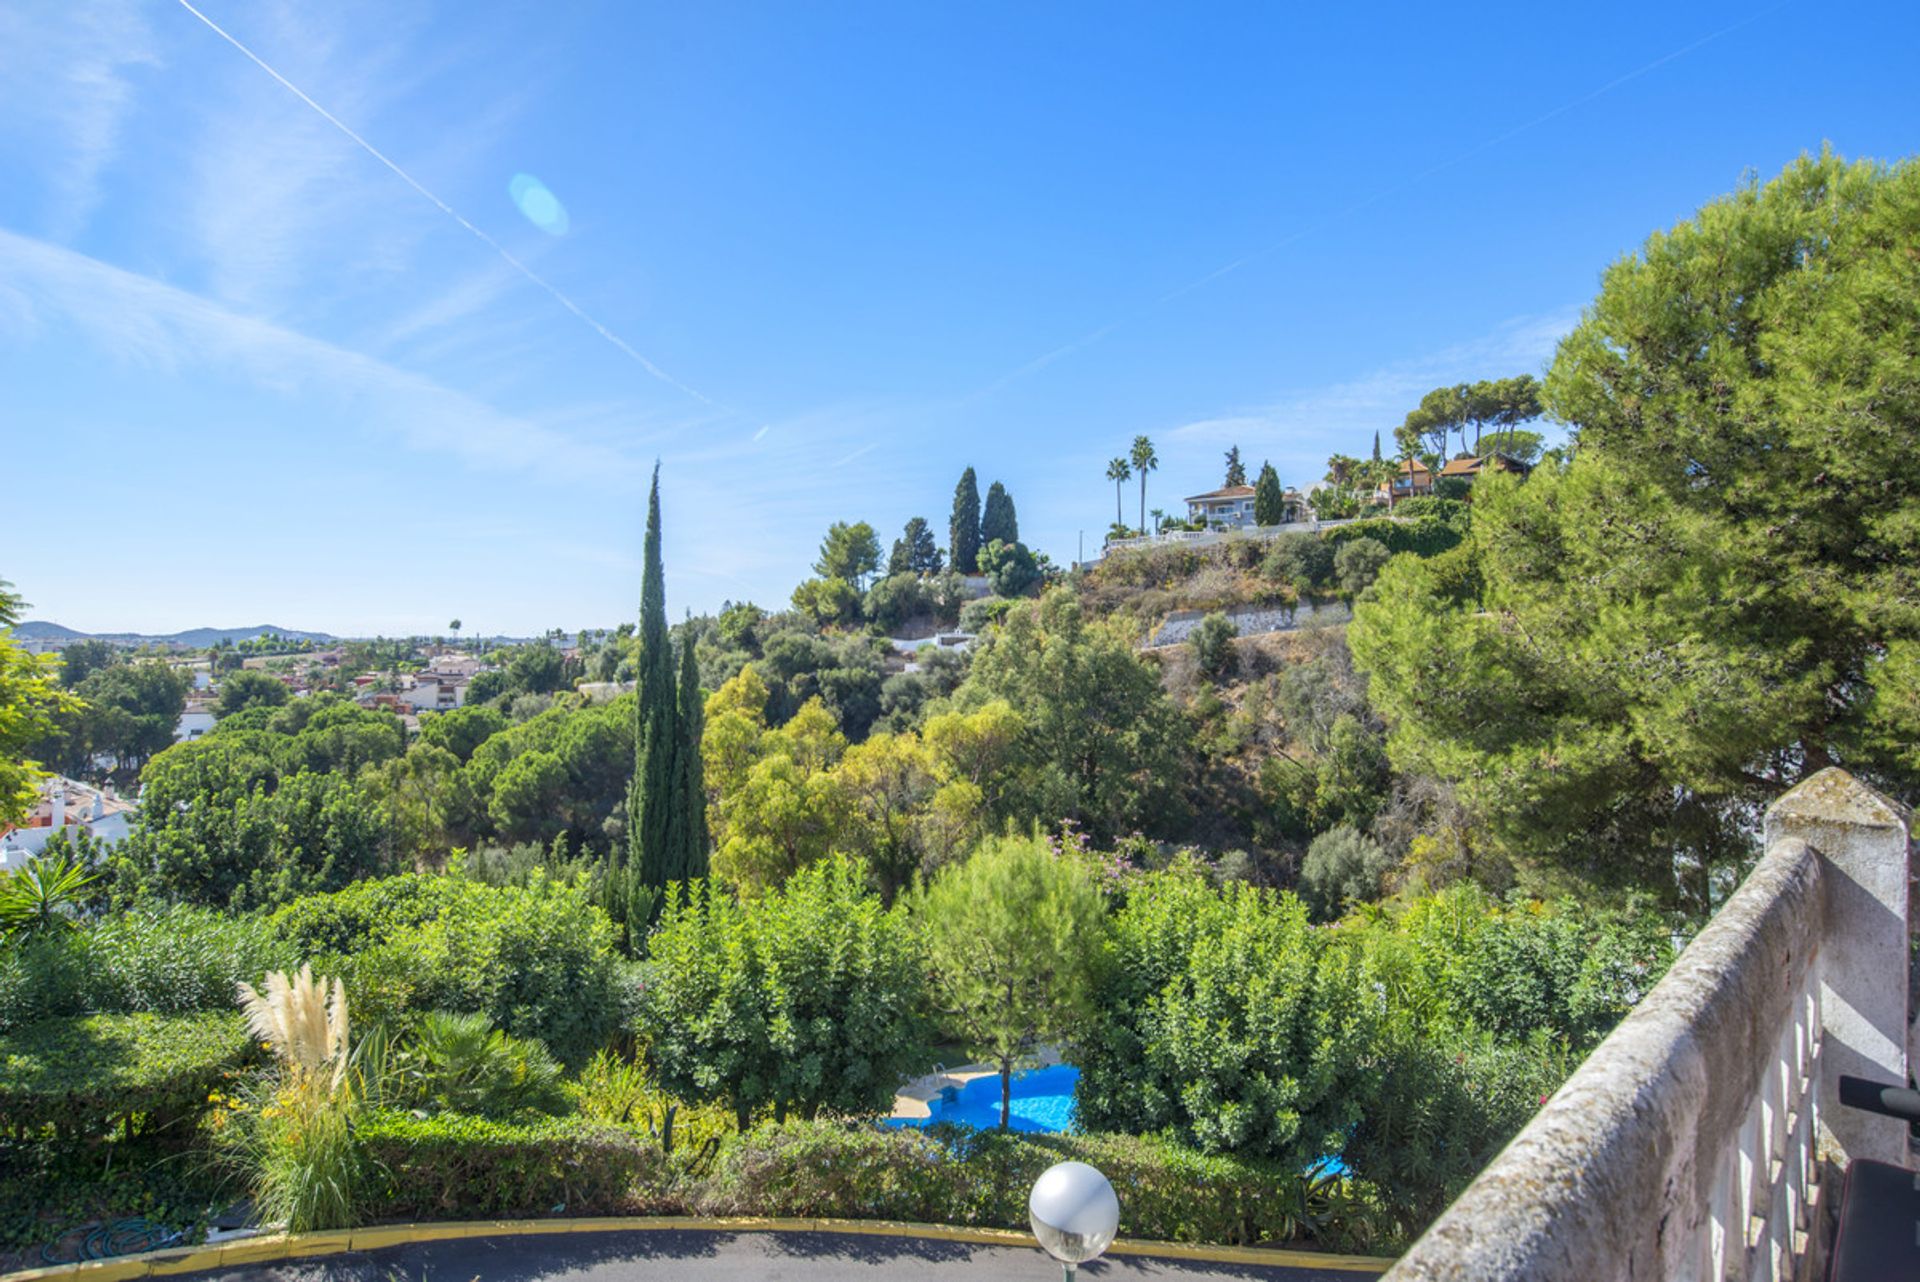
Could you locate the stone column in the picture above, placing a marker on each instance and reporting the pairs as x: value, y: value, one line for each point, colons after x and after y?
x: 1863, y: 953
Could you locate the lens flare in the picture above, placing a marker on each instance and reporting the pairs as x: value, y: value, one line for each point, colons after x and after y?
x: 541, y: 207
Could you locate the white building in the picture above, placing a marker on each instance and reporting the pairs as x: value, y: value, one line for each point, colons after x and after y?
x: 435, y: 692
x: 195, y: 720
x: 69, y: 806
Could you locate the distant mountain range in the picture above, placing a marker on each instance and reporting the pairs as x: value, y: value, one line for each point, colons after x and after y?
x: 193, y: 638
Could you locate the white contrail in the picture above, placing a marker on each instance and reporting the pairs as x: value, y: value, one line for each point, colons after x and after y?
x: 1094, y: 336
x: 452, y: 213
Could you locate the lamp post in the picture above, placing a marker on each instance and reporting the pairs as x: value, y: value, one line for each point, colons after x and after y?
x: 1075, y: 1213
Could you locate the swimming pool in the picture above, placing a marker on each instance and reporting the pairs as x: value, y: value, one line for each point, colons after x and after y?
x: 1042, y: 1102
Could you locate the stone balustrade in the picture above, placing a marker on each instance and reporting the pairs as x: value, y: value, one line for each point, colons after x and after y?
x: 1702, y: 1138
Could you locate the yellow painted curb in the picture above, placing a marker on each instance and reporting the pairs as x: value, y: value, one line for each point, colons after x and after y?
x: 282, y: 1246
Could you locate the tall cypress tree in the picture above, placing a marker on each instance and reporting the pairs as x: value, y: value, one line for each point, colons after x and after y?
x: 651, y: 858
x: 963, y: 531
x: 690, y: 773
x: 998, y: 520
x: 1269, y: 501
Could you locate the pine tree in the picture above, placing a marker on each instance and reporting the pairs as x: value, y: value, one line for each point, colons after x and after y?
x: 963, y: 530
x: 651, y: 858
x: 1236, y: 470
x: 690, y: 784
x: 998, y: 520
x: 1269, y: 501
x: 1376, y: 445
x: 915, y: 552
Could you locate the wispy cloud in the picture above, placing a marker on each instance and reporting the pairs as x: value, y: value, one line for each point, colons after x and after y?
x: 1309, y: 422
x: 64, y: 77
x: 136, y: 319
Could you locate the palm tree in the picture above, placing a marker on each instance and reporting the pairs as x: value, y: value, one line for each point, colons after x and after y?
x: 1119, y: 473
x: 1159, y: 519
x: 1144, y: 461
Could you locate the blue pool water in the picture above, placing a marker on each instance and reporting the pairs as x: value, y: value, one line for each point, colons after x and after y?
x: 1042, y: 1101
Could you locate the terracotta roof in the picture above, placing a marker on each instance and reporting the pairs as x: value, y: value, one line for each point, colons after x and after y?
x: 1228, y: 492
x: 1463, y: 467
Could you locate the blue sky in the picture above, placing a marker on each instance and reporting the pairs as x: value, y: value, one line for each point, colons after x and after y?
x: 249, y: 374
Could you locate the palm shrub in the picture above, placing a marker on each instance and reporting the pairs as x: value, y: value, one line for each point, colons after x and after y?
x: 44, y: 895
x: 463, y: 1064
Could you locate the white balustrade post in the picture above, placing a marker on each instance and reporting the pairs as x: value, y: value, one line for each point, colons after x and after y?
x: 1863, y: 952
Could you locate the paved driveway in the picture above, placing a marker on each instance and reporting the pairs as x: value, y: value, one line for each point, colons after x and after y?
x: 698, y: 1256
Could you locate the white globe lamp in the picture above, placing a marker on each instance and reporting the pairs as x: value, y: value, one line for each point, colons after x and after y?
x: 1075, y: 1213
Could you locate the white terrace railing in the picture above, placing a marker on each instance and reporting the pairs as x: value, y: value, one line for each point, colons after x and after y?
x: 1702, y: 1139
x: 1221, y: 534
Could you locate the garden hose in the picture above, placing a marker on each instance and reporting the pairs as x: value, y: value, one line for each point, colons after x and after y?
x: 119, y: 1237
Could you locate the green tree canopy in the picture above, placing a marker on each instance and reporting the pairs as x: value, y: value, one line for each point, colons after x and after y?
x: 133, y: 710
x: 1099, y: 739
x: 1630, y: 656
x: 849, y: 552
x: 1236, y: 470
x: 963, y: 528
x: 915, y: 551
x: 1010, y: 568
x: 1269, y: 500
x: 247, y: 689
x: 1012, y: 934
x: 998, y: 523
x: 30, y: 704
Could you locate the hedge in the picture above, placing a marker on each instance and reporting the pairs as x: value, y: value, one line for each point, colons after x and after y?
x: 455, y: 1167
x: 954, y: 1175
x: 83, y: 1075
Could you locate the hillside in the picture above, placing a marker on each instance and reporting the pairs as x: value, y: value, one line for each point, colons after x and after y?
x: 193, y: 638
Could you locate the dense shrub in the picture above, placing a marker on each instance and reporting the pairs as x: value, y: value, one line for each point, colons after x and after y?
x: 1213, y: 644
x: 1343, y: 867
x: 807, y: 997
x: 1010, y: 568
x: 1449, y: 510
x: 1441, y: 1103
x: 1358, y: 563
x: 959, y: 1176
x: 1301, y: 559
x: 1226, y: 1021
x: 1518, y: 968
x: 896, y: 599
x: 1423, y: 536
x: 82, y: 1075
x: 984, y: 612
x: 457, y: 1167
x: 167, y: 961
x: 537, y: 959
